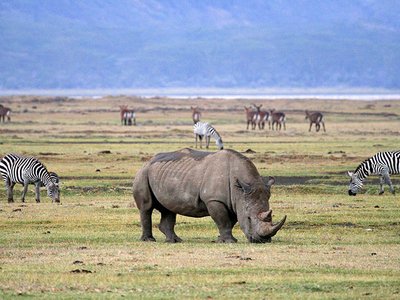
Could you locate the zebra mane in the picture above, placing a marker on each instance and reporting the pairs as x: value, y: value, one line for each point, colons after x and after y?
x: 361, y: 166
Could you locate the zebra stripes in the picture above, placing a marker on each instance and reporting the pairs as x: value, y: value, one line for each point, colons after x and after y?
x: 26, y: 170
x: 54, y: 177
x: 383, y: 164
x: 201, y: 129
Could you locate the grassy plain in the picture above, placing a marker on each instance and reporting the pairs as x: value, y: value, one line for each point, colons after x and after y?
x: 332, y: 246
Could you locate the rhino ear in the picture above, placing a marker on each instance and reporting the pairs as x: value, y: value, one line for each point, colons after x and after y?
x: 244, y: 186
x: 268, y: 182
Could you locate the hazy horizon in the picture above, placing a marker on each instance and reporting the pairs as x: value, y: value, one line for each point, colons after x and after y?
x: 231, y: 93
x: 159, y: 44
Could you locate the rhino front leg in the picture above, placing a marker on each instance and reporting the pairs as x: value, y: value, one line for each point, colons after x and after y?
x: 167, y: 224
x: 145, y: 220
x: 221, y: 216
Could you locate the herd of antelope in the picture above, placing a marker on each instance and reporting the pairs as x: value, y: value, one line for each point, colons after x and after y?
x: 254, y: 117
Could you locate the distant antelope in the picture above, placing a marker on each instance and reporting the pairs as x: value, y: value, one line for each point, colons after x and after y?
x: 315, y: 117
x: 278, y: 118
x: 250, y: 117
x: 5, y: 112
x: 196, y: 114
x: 122, y: 110
x: 261, y: 117
x: 128, y: 116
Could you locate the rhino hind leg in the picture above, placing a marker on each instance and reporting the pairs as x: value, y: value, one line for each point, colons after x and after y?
x: 167, y: 224
x: 145, y: 220
x: 224, y: 220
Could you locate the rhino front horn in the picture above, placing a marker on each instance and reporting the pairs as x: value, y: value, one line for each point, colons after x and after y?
x: 275, y: 228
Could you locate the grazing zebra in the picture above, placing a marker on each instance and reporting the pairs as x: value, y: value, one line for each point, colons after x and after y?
x: 25, y: 170
x: 315, y: 117
x: 382, y: 164
x: 250, y: 117
x: 261, y: 117
x: 54, y: 177
x: 5, y: 112
x: 196, y: 114
x: 278, y: 118
x: 201, y: 129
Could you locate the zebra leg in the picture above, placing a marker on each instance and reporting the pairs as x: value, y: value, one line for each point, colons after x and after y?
x: 201, y: 141
x: 381, y: 182
x: 25, y: 189
x: 167, y: 224
x: 317, y: 127
x: 389, y: 182
x: 284, y: 125
x: 208, y: 138
x: 37, y: 191
x: 10, y: 187
x: 309, y: 129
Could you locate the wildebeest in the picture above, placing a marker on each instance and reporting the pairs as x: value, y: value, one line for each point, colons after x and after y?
x: 224, y: 185
x: 315, y: 117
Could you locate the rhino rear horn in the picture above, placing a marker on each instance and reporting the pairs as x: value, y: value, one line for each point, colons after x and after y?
x: 265, y: 216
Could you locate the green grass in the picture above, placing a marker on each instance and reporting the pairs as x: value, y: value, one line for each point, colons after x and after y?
x: 332, y: 246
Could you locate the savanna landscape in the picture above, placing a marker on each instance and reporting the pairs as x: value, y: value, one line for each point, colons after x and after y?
x: 332, y: 246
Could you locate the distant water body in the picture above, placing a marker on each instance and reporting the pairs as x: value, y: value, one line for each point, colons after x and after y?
x: 196, y: 93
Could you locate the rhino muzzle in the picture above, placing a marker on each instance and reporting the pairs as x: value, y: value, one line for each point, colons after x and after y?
x: 266, y: 229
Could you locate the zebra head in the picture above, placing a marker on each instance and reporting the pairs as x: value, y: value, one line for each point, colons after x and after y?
x: 355, y: 183
x: 219, y: 143
x: 53, y: 191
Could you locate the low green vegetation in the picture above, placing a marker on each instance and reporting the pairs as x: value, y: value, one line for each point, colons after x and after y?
x: 332, y: 246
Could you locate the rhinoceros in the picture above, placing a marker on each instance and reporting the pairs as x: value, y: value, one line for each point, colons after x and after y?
x: 224, y: 185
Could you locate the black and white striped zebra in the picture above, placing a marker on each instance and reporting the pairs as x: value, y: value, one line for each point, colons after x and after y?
x: 26, y: 170
x: 202, y: 129
x: 54, y: 177
x: 383, y: 164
